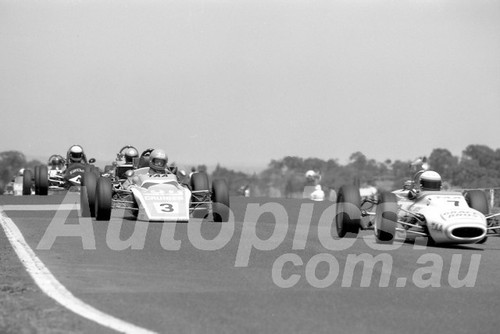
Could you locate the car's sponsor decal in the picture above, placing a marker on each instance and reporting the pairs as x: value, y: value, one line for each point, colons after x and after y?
x: 460, y: 214
x: 76, y: 170
x: 163, y: 198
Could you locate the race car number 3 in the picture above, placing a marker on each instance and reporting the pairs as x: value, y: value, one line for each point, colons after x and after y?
x: 166, y: 207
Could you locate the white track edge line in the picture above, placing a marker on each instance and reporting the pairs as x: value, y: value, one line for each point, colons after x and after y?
x: 54, y: 289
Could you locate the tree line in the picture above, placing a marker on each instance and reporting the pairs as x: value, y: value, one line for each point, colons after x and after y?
x: 477, y: 167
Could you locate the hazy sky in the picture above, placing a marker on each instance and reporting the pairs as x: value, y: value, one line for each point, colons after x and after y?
x: 242, y: 82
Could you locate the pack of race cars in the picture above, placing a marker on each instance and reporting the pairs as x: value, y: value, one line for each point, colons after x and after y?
x: 144, y: 185
x: 149, y: 189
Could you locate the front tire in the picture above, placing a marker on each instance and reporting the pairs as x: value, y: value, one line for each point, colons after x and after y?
x: 88, y: 194
x: 386, y: 218
x: 104, y: 194
x: 27, y: 182
x: 348, y: 217
x: 42, y: 180
x: 220, y: 201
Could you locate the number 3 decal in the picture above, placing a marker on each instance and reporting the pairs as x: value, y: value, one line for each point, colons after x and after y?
x: 166, y: 207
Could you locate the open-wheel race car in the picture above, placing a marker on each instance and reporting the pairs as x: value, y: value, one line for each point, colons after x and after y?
x: 55, y: 177
x: 420, y: 209
x: 155, y: 197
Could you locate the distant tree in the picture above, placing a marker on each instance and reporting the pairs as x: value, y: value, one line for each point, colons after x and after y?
x: 442, y: 161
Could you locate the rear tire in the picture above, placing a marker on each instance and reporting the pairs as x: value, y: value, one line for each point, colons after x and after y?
x: 42, y: 180
x: 104, y: 194
x: 348, y: 217
x: 220, y: 201
x: 27, y: 182
x: 386, y: 218
x: 88, y: 194
x: 477, y: 200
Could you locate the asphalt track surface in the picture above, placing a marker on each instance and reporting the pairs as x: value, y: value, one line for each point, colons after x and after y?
x: 188, y: 290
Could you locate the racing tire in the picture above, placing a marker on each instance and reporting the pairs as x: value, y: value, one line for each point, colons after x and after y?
x: 37, y: 173
x: 88, y: 194
x: 348, y: 216
x: 103, y: 199
x: 27, y: 182
x: 199, y: 181
x: 477, y: 200
x: 220, y: 201
x: 386, y: 218
x: 42, y: 180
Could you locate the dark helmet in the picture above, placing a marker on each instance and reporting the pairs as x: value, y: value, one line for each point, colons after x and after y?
x: 430, y: 180
x: 56, y: 162
x: 130, y: 154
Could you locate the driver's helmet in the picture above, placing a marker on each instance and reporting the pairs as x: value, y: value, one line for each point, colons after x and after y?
x: 130, y: 154
x: 75, y: 154
x: 310, y: 175
x: 56, y: 162
x: 158, y: 160
x: 430, y: 180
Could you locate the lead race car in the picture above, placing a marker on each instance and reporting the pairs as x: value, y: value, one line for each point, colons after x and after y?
x: 420, y: 209
x: 153, y: 196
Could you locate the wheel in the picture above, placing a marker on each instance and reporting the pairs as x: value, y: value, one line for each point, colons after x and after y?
x: 42, y: 180
x: 477, y: 200
x: 199, y: 181
x: 220, y: 201
x: 27, y: 182
x: 386, y: 218
x: 88, y: 194
x: 37, y: 173
x: 348, y: 217
x: 104, y: 193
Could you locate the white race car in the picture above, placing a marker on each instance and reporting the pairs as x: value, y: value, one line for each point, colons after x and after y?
x: 444, y: 217
x: 157, y: 197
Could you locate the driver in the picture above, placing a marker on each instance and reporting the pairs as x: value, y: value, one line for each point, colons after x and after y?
x: 428, y: 181
x: 158, y: 162
x: 157, y: 165
x: 76, y: 155
x: 130, y: 154
x: 56, y: 162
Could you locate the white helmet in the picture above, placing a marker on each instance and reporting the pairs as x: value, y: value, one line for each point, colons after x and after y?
x: 310, y: 175
x: 430, y: 180
x: 75, y: 153
x: 158, y: 160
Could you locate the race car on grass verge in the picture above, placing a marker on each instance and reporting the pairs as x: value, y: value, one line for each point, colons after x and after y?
x: 420, y: 209
x: 155, y: 197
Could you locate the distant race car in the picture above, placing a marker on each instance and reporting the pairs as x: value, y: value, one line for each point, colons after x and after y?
x: 44, y: 179
x: 157, y: 197
x: 419, y: 210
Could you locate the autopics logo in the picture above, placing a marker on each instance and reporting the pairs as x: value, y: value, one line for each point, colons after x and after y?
x: 335, y: 261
